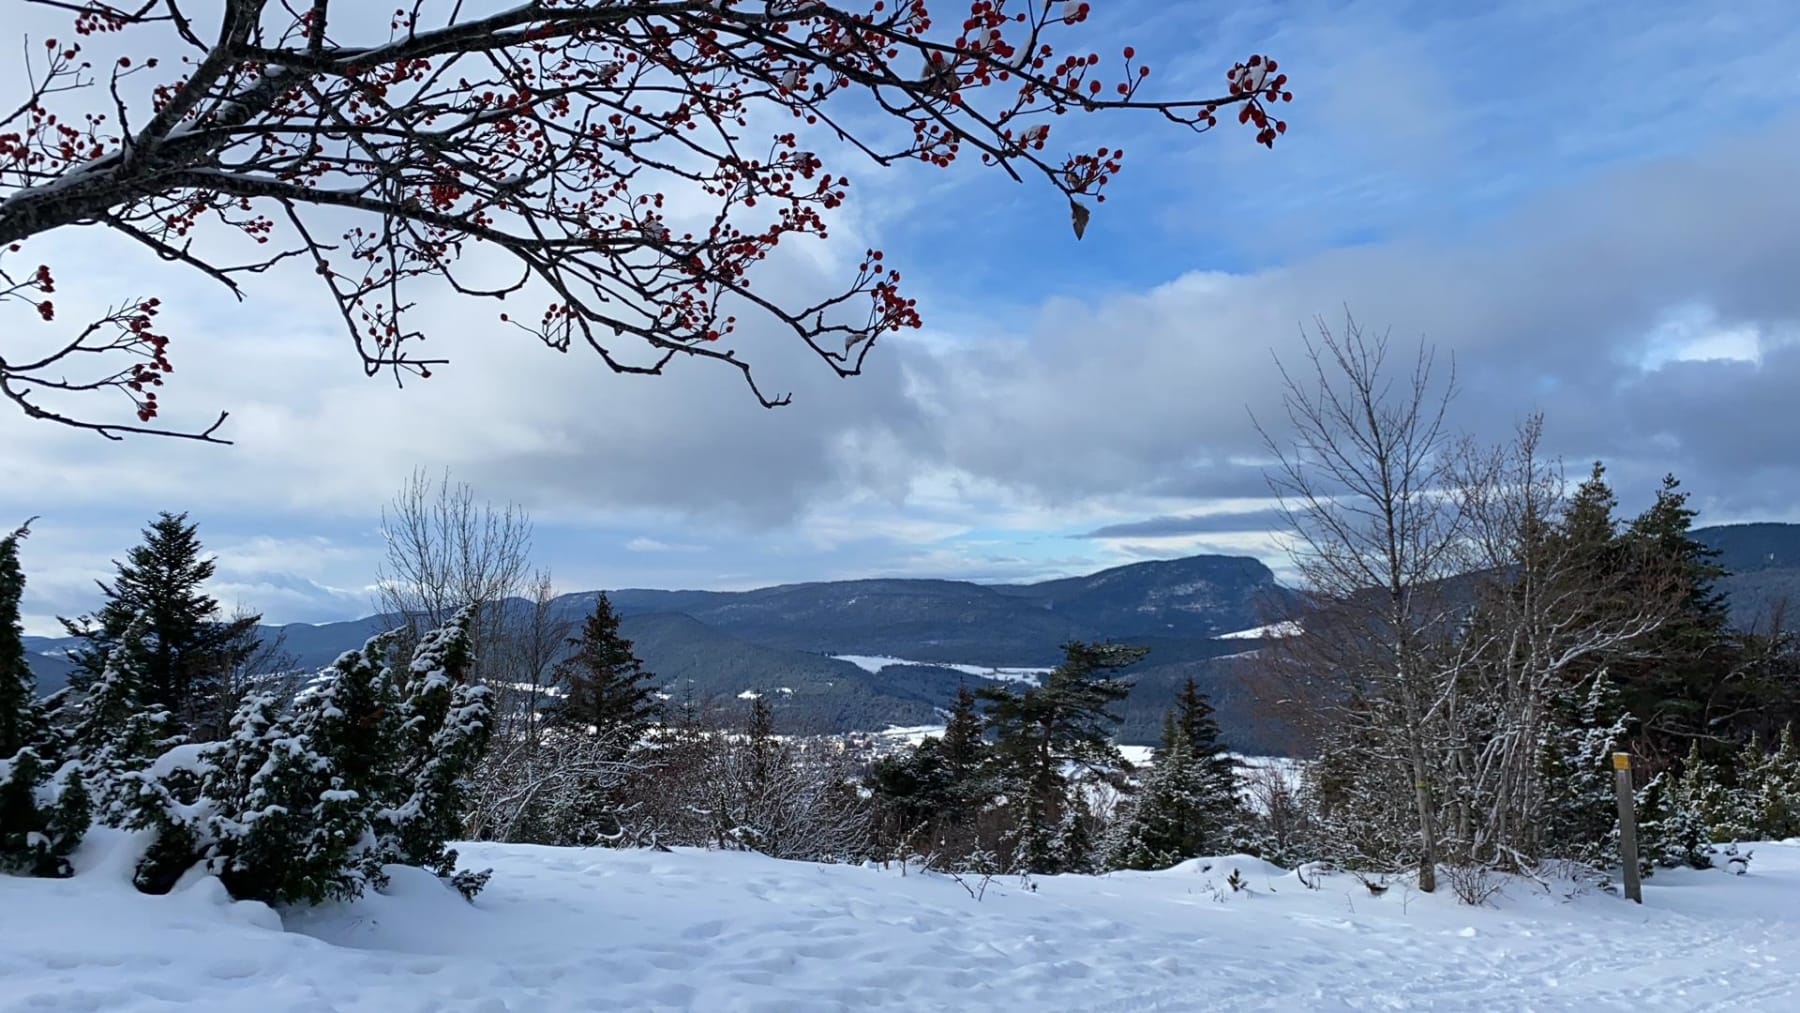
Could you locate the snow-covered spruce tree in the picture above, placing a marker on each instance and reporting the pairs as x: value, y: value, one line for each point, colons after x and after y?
x: 42, y: 815
x: 914, y: 793
x: 445, y: 724
x: 21, y: 719
x: 1222, y: 803
x: 1580, y: 808
x: 362, y: 772
x: 304, y: 789
x: 928, y: 799
x: 1673, y: 687
x: 1721, y: 809
x: 118, y: 732
x: 1769, y: 787
x: 1352, y: 786
x: 1171, y: 817
x: 1671, y: 832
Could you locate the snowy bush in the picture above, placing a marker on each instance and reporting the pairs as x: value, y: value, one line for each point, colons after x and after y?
x: 368, y: 768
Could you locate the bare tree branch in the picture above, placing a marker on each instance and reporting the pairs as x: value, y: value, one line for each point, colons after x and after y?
x: 558, y: 136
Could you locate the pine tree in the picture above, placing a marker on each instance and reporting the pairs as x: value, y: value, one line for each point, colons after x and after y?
x: 928, y: 796
x: 42, y: 818
x: 1578, y: 775
x: 1588, y: 518
x: 187, y: 650
x: 1066, y: 720
x: 607, y: 689
x: 1671, y: 830
x: 309, y: 785
x: 365, y: 770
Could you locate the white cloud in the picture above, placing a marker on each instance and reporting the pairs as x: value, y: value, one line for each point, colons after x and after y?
x: 1641, y: 297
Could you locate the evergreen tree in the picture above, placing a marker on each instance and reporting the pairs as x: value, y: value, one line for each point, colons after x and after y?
x: 963, y: 748
x: 42, y: 818
x: 187, y: 650
x: 21, y: 720
x: 1578, y: 774
x: 308, y: 786
x: 1702, y: 790
x: 928, y: 797
x: 118, y: 731
x: 1066, y: 720
x: 1588, y: 519
x: 1671, y: 831
x: 1679, y: 680
x: 1171, y: 818
x: 1195, y: 717
x: 607, y: 688
x: 445, y: 724
x: 365, y: 770
x: 1769, y: 787
x: 915, y: 786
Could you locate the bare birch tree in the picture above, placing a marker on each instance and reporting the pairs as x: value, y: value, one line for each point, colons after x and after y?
x: 1550, y: 613
x: 1361, y: 476
x: 445, y: 551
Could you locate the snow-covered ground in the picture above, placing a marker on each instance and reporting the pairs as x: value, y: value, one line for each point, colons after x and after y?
x: 1282, y: 629
x: 568, y: 929
x: 874, y: 663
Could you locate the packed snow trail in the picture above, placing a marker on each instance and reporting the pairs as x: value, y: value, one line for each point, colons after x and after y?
x: 569, y: 929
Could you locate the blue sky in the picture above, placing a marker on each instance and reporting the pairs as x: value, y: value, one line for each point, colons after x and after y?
x: 1589, y: 204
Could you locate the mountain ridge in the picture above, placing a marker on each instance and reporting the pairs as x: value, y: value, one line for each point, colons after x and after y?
x: 722, y: 644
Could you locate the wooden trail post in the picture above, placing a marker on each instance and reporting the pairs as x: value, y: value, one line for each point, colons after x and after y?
x: 1628, y: 851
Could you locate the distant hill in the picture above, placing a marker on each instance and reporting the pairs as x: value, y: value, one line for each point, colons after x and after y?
x: 1764, y: 560
x: 984, y: 624
x: 719, y: 645
x: 1752, y: 548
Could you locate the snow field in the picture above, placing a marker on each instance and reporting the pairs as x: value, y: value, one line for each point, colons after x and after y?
x: 570, y: 929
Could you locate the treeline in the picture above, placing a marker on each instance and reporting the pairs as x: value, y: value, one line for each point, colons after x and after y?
x: 1023, y: 780
x: 1480, y: 638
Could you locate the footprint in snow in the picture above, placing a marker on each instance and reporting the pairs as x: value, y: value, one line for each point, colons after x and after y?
x: 704, y: 930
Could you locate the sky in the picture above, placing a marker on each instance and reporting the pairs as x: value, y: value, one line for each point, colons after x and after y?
x: 1588, y: 205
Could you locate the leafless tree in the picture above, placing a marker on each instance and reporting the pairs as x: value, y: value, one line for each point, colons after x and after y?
x: 382, y: 150
x: 446, y: 551
x: 531, y: 638
x: 563, y: 787
x: 1362, y: 475
x: 1548, y: 616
